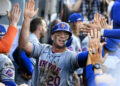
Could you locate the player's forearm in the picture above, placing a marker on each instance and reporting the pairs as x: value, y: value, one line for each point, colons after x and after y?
x: 7, y: 41
x: 24, y: 34
x: 111, y: 33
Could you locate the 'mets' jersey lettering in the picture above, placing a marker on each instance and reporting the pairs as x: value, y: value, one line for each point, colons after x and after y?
x: 49, y: 66
x: 50, y: 73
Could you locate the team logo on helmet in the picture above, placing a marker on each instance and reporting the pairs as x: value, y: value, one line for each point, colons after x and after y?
x: 63, y: 26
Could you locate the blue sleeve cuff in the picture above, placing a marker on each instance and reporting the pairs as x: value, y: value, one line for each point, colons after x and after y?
x: 82, y: 58
x: 9, y: 83
x: 27, y: 62
x: 112, y: 33
x: 90, y: 76
x: 89, y: 71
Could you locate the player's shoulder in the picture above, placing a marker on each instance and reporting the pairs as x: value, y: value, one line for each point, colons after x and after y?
x: 3, y: 57
x: 42, y: 45
x: 45, y: 47
x: 69, y: 52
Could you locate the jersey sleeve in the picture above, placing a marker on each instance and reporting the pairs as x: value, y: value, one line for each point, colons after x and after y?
x: 90, y: 76
x: 78, y: 60
x: 73, y: 62
x: 111, y: 33
x: 37, y: 48
x: 9, y: 83
x: 7, y: 70
x: 115, y: 15
x: 82, y: 58
x: 7, y: 41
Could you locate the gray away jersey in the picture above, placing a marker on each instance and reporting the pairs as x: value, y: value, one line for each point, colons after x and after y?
x: 53, y: 69
x: 7, y: 71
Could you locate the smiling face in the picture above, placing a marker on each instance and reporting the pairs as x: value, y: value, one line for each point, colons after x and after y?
x: 59, y: 39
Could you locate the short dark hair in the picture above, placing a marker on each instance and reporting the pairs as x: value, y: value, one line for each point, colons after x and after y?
x: 35, y: 22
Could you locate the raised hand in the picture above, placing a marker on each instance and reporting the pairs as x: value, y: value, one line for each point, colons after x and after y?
x: 91, y: 26
x: 97, y: 19
x: 95, y: 48
x: 29, y: 11
x: 101, y: 22
x: 14, y: 16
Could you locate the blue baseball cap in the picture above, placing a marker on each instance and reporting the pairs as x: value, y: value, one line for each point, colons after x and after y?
x: 2, y: 30
x: 75, y: 17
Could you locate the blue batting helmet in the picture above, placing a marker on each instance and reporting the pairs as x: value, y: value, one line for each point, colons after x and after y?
x: 2, y: 30
x: 62, y: 26
x: 75, y: 17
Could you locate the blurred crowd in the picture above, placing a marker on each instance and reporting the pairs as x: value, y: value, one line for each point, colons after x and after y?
x: 82, y: 49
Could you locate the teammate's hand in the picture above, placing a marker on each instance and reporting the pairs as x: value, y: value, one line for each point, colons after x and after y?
x: 76, y: 79
x: 25, y: 76
x: 95, y: 48
x: 101, y: 22
x: 29, y: 9
x: 97, y: 19
x: 14, y: 16
x: 91, y: 26
x: 85, y: 28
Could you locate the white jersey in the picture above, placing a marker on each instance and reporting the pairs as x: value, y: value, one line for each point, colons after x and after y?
x: 112, y: 60
x: 53, y: 69
x: 33, y: 38
x: 75, y: 45
x: 85, y: 44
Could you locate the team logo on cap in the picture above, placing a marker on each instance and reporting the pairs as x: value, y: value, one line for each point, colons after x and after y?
x: 63, y: 26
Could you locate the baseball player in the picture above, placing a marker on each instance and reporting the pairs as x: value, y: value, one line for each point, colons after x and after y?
x: 12, y: 31
x: 54, y: 63
x: 75, y: 20
x: 6, y: 67
x: 7, y: 71
x: 26, y: 64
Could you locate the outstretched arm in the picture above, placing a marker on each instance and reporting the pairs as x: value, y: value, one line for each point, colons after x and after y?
x: 29, y: 12
x: 111, y: 33
x: 94, y: 57
x: 7, y: 41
